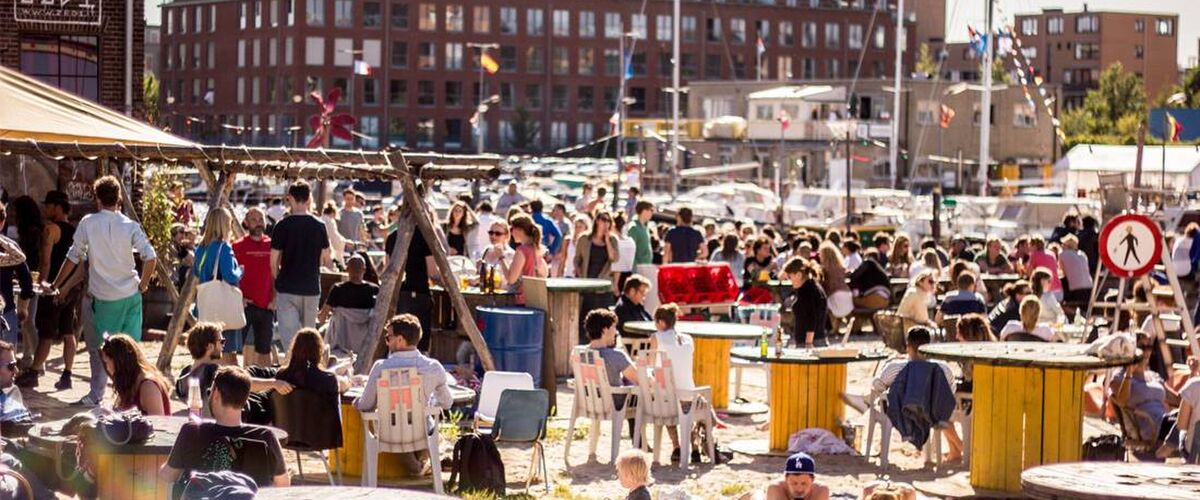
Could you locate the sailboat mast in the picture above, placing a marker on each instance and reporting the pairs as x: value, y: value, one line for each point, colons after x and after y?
x: 985, y: 105
x: 894, y: 143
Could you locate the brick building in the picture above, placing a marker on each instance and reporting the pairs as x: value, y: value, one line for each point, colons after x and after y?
x: 247, y: 66
x: 77, y: 45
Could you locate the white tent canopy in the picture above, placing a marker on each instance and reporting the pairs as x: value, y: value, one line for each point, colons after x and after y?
x: 1081, y: 167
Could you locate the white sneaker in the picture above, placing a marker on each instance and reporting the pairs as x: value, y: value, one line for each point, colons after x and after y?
x: 87, y: 401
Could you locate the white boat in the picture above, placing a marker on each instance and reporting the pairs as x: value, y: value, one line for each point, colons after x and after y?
x: 728, y: 201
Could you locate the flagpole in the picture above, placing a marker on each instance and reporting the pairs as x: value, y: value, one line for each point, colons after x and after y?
x: 985, y: 105
x: 1166, y: 136
x: 620, y: 122
x: 674, y: 98
x: 894, y: 143
x: 479, y: 139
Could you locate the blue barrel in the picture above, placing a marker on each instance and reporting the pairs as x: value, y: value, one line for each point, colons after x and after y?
x: 514, y: 335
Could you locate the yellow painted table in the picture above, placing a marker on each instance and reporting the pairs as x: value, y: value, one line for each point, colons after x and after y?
x: 348, y: 459
x: 1027, y: 408
x: 710, y: 362
x: 805, y: 390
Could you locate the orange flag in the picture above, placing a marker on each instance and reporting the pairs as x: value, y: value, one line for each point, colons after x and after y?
x: 489, y: 64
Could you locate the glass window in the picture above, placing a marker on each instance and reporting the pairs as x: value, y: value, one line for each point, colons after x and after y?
x: 584, y: 132
x: 585, y: 98
x: 833, y: 68
x: 343, y: 13
x: 211, y: 52
x: 508, y: 58
x: 612, y: 62
x: 833, y: 35
x: 183, y: 18
x: 426, y: 55
x: 687, y: 28
x: 927, y: 112
x: 425, y: 93
x: 558, y: 134
x: 241, y: 55
x: 370, y: 132
x: 454, y: 133
x: 482, y: 19
x: 562, y: 23
x: 454, y: 93
x: 508, y: 20
x: 1029, y: 52
x: 763, y: 29
x: 399, y: 54
x: 398, y: 92
x: 1024, y: 115
x: 587, y: 24
x: 258, y: 17
x: 372, y: 15
x: 241, y: 90
x: 273, y: 11
x: 535, y: 22
x: 289, y: 18
x: 454, y: 56
x: 1029, y: 26
x: 613, y: 27
x: 272, y: 51
x: 427, y: 17
x: 854, y: 36
x: 880, y: 37
x: 737, y: 30
x: 198, y: 25
x: 587, y: 61
x: 786, y: 37
x: 314, y: 51
x: 560, y: 60
x: 454, y: 18
x: 508, y: 96
x: 808, y: 35
x: 712, y: 66
x: 533, y: 96
x: 783, y: 68
x: 712, y: 28
x: 400, y: 16
x: 559, y: 97
x: 370, y: 91
x: 1054, y: 25
x: 638, y: 23
x: 1164, y: 27
x: 70, y: 63
x: 425, y: 131
x: 396, y: 132
x: 535, y: 59
x: 1139, y: 25
x: 1087, y: 24
x: 1086, y: 51
x: 257, y: 52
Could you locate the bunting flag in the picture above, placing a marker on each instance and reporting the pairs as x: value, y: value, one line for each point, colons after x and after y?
x: 614, y: 122
x: 1174, y: 128
x: 947, y: 116
x: 762, y: 47
x: 490, y: 65
x: 785, y: 120
x: 361, y: 68
x: 629, y: 65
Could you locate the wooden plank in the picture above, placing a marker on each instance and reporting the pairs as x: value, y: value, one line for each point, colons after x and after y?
x: 1014, y: 416
x: 982, y: 447
x: 1034, y: 392
x: 1052, y: 407
x: 389, y: 288
x: 1112, y: 480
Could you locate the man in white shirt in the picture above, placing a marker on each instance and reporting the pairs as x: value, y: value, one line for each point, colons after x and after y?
x: 107, y: 240
x: 585, y: 199
x: 915, y: 338
x: 479, y: 239
x: 851, y: 248
x: 402, y: 334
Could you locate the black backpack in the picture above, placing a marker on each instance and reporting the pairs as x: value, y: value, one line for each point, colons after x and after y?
x: 477, y: 466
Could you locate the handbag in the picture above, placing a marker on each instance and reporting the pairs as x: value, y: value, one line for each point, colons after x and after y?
x: 125, y: 428
x: 218, y: 301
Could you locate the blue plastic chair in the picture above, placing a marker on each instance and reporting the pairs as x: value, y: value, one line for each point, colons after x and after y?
x: 521, y: 418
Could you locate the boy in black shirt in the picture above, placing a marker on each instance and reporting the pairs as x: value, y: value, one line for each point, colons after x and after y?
x: 227, y: 444
x: 354, y: 293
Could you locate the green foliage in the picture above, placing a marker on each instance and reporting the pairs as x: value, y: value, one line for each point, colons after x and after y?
x: 925, y: 62
x: 451, y: 427
x: 150, y: 92
x: 1189, y: 86
x: 1110, y: 113
x: 999, y: 75
x: 734, y: 489
x: 158, y: 213
x: 526, y: 129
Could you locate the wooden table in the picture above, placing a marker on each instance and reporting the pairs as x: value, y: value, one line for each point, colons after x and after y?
x: 1028, y: 405
x: 348, y: 458
x: 710, y: 362
x: 1112, y: 480
x: 341, y: 493
x: 805, y: 391
x: 560, y: 298
x: 124, y: 471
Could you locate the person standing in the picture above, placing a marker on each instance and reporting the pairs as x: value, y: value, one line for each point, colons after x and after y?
x: 640, y: 233
x: 415, y: 297
x: 215, y: 260
x: 1089, y: 242
x: 631, y: 200
x: 253, y: 251
x: 14, y: 311
x: 552, y: 237
x: 510, y: 198
x: 107, y: 240
x: 56, y: 317
x: 684, y: 243
x: 299, y: 245
x: 183, y: 210
x: 586, y: 199
x: 350, y: 220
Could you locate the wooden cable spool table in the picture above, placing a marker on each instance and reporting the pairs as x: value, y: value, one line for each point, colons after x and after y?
x: 710, y: 362
x: 560, y: 298
x: 124, y: 471
x: 1112, y: 480
x: 805, y: 391
x: 1027, y: 405
x: 341, y: 493
x: 348, y: 459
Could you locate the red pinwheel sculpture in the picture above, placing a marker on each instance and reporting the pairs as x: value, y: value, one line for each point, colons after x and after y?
x: 326, y: 123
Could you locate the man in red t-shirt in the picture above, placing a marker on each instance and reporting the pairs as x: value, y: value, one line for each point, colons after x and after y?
x: 253, y: 252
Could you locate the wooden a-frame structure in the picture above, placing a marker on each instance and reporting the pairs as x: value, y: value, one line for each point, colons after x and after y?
x: 219, y: 166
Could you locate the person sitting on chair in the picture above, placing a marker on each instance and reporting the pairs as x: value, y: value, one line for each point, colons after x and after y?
x: 964, y: 301
x: 223, y: 445
x: 1140, y: 394
x: 601, y: 326
x: 348, y: 310
x: 870, y: 283
x: 916, y: 337
x: 630, y: 306
x: 1028, y: 328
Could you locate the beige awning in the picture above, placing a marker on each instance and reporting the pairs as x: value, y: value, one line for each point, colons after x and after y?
x: 30, y: 109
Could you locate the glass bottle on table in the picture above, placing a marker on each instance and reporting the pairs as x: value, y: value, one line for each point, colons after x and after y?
x: 779, y: 342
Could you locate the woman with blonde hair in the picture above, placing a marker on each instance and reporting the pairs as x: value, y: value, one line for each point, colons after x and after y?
x: 914, y: 305
x: 1028, y: 328
x: 901, y: 258
x: 833, y: 280
x: 215, y: 260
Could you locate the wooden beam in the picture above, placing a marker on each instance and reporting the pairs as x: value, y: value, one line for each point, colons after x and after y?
x: 389, y: 289
x: 437, y: 246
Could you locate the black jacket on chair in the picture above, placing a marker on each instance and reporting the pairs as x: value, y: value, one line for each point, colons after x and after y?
x: 312, y: 420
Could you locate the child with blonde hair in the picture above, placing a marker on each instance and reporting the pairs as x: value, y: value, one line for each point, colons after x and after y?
x: 633, y: 470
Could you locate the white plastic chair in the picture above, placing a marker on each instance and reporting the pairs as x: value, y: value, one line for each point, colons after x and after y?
x: 933, y: 446
x: 635, y: 345
x: 494, y: 383
x: 660, y: 403
x: 594, y: 401
x: 401, y: 423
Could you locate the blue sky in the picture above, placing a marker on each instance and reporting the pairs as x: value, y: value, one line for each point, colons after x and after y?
x: 961, y: 12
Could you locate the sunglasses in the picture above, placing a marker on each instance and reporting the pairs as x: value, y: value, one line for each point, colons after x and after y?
x: 496, y: 233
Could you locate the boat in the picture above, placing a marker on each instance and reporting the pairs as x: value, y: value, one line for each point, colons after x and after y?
x: 728, y: 201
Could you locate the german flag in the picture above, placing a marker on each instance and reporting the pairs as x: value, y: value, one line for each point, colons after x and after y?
x: 1174, y: 128
x: 489, y: 64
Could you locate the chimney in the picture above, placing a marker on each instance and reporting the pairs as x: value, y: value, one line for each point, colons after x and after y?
x: 1085, y: 7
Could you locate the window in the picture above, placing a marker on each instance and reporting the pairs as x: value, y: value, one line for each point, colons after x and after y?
x: 558, y: 134
x: 689, y: 67
x: 977, y: 115
x: 610, y: 98
x: 1024, y: 115
x: 508, y: 96
x: 396, y: 135
x: 454, y: 56
x: 508, y: 20
x: 343, y: 52
x: 426, y: 55
x: 1029, y: 52
x: 833, y: 68
x: 739, y: 66
x: 506, y: 132
x: 211, y: 52
x: 584, y: 132
x: 637, y: 64
x: 562, y: 23
x: 638, y: 23
x: 425, y: 93
x: 809, y: 68
x: 786, y: 37
x: 399, y: 54
x: 1054, y: 25
x: 454, y: 133
x: 270, y: 89
x: 535, y: 22
x: 241, y: 56
x: 289, y: 18
x: 712, y: 29
x: 533, y: 96
x: 560, y: 60
x: 612, y: 62
x: 663, y: 28
x: 1029, y: 26
x: 257, y: 13
x: 559, y: 97
x: 343, y: 13
x: 1164, y: 27
x: 454, y: 93
x: 1087, y: 24
x: 257, y: 52
x: 272, y: 52
x: 763, y: 28
x: 314, y: 51
x: 833, y: 35
x: 241, y: 90
x: 587, y: 24
x: 425, y: 132
x: 928, y: 112
x: 587, y: 61
x: 170, y: 17
x: 508, y: 58
x: 737, y: 30
x: 687, y: 28
x: 712, y: 66
x: 400, y: 16
x: 183, y: 19
x: 854, y: 36
x: 398, y: 92
x: 1139, y: 25
x: 199, y: 25
x: 808, y: 35
x: 370, y: 129
x: 70, y: 63
x: 664, y: 64
x: 482, y: 19
x: 454, y: 18
x: 427, y: 17
x: 535, y: 59
x: 586, y: 98
x: 1139, y: 52
x: 880, y: 37
x: 1087, y: 51
x: 370, y: 91
x: 613, y: 27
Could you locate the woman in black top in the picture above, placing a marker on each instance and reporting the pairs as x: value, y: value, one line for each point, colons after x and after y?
x: 808, y: 302
x: 1009, y: 308
x: 459, y: 227
x: 306, y: 366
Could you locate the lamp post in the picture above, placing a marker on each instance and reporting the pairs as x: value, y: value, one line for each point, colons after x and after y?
x: 481, y: 108
x: 353, y: 92
x: 622, y: 103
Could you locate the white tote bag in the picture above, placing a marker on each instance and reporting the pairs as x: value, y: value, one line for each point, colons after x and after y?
x: 218, y: 301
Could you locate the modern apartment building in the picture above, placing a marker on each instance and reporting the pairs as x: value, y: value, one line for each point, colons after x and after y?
x: 246, y: 67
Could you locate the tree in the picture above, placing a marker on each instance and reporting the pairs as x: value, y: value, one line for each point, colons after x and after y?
x: 1110, y: 113
x: 150, y: 88
x: 1189, y: 86
x: 999, y: 75
x: 526, y: 130
x: 925, y: 63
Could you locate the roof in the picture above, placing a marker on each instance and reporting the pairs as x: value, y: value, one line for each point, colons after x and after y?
x: 1115, y: 158
x: 791, y: 92
x: 34, y: 111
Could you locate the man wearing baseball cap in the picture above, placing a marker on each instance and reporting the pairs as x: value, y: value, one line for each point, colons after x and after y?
x: 799, y: 481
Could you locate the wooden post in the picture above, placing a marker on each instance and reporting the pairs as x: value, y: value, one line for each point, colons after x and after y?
x: 389, y: 288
